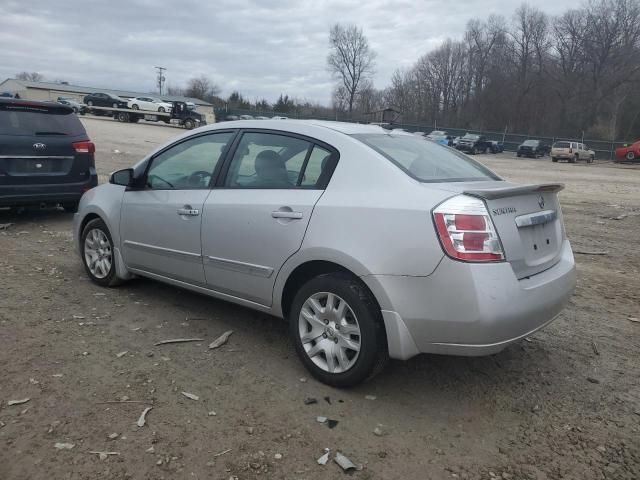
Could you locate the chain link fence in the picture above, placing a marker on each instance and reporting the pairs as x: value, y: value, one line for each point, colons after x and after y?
x: 604, y: 150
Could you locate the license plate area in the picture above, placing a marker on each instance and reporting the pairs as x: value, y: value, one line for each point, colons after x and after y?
x: 540, y: 242
x: 17, y: 167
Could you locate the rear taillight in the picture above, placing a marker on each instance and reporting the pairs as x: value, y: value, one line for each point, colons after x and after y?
x: 84, y: 147
x: 466, y: 230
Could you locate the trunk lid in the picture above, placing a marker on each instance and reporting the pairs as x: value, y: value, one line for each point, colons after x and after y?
x: 527, y: 218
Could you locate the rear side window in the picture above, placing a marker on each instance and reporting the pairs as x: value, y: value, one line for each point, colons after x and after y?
x: 269, y: 160
x: 16, y: 119
x: 426, y: 161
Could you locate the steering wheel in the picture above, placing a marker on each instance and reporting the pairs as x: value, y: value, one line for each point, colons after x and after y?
x: 199, y: 178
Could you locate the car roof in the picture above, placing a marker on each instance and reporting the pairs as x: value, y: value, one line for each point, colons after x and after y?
x: 32, y: 103
x: 341, y: 127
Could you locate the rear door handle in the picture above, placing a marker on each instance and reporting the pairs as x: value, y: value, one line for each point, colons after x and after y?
x: 285, y: 214
x: 188, y: 211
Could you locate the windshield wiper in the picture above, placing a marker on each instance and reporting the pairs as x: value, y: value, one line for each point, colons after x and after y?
x: 50, y: 133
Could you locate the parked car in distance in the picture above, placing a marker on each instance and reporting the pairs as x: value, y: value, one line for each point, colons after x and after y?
x: 246, y: 117
x: 532, y: 148
x: 455, y: 141
x: 491, y: 267
x: 149, y: 103
x: 496, y: 147
x: 104, y: 100
x: 74, y: 104
x: 472, y: 143
x: 629, y: 152
x: 572, y: 152
x: 445, y: 140
x: 261, y: 117
x: 231, y: 118
x: 419, y: 134
x: 46, y: 156
x: 279, y: 117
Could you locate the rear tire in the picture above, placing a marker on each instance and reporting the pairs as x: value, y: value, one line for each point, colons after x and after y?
x: 474, y: 151
x: 90, y: 103
x: 361, y: 313
x: 105, y: 275
x: 189, y: 124
x: 591, y: 159
x: 554, y: 159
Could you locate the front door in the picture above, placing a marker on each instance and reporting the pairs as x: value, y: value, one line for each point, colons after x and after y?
x: 258, y: 217
x: 160, y: 224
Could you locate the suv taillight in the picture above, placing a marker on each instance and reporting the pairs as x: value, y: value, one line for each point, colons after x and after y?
x: 466, y: 230
x: 84, y: 147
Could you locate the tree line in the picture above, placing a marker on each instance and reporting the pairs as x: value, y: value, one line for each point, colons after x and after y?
x: 532, y: 73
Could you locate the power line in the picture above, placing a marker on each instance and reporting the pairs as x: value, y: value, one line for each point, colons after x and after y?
x: 161, y: 78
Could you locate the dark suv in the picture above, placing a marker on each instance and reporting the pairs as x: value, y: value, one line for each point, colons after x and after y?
x: 46, y: 156
x: 533, y: 149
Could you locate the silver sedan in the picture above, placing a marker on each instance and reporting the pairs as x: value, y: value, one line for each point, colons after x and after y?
x: 370, y: 243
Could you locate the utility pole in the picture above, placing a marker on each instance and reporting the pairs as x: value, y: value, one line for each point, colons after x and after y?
x: 161, y: 78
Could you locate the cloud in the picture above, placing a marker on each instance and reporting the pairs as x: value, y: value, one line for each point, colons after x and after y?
x: 261, y: 48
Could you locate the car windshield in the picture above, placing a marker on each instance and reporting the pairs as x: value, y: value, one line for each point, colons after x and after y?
x: 531, y: 143
x: 25, y: 119
x: 426, y: 161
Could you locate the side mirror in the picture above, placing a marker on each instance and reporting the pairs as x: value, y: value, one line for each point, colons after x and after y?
x: 122, y: 177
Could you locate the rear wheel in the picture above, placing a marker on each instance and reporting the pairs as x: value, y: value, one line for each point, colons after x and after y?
x: 135, y: 107
x: 90, y: 103
x: 337, y: 330
x: 189, y: 124
x: 123, y: 117
x: 591, y: 159
x: 554, y: 159
x: 97, y: 253
x: 474, y: 151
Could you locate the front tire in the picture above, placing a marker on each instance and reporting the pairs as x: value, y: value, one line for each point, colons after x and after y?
x: 98, y: 256
x: 337, y: 330
x: 161, y: 109
x: 189, y: 124
x: 135, y: 107
x: 630, y: 156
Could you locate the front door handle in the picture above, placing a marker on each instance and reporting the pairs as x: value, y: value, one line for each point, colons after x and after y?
x: 286, y: 214
x: 188, y: 211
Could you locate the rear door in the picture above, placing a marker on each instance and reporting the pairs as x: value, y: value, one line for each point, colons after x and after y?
x: 160, y: 224
x: 258, y: 215
x: 37, y: 146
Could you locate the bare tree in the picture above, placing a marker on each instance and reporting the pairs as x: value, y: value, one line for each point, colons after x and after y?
x: 351, y: 60
x: 177, y: 91
x: 201, y: 87
x: 30, y: 76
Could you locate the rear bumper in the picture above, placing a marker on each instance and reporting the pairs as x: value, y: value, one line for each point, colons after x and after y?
x: 20, y: 195
x: 470, y: 309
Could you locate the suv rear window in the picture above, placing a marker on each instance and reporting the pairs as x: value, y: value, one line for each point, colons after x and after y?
x: 562, y: 145
x: 426, y: 161
x: 27, y: 119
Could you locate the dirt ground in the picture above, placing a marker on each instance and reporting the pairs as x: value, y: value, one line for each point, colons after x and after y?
x: 563, y: 405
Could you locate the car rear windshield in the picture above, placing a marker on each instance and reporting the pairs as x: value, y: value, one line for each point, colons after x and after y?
x: 531, y: 143
x: 562, y: 145
x: 28, y: 119
x: 426, y: 161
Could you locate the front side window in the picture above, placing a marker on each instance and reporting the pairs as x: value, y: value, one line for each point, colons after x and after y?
x: 189, y: 164
x: 268, y: 160
x: 426, y: 161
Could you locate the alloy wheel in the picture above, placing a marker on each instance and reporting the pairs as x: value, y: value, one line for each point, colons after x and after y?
x: 329, y: 332
x: 98, y: 253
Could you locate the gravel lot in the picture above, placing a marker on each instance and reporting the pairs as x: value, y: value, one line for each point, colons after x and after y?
x: 564, y: 405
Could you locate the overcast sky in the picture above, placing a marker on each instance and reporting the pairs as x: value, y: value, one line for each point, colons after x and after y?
x: 259, y: 47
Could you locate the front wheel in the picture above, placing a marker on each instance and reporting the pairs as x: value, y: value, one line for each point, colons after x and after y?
x: 591, y: 159
x: 98, y: 254
x: 161, y: 109
x: 90, y: 103
x: 189, y: 124
x: 135, y: 107
x: 337, y: 330
x: 630, y: 156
